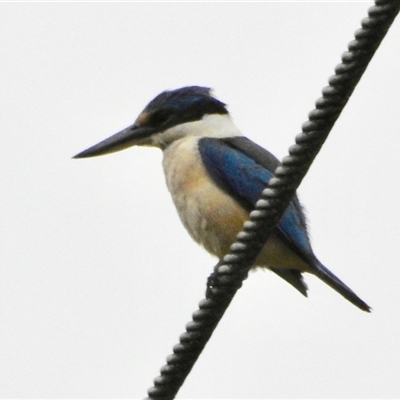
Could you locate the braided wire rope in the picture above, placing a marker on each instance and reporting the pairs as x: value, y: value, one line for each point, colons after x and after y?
x: 230, y: 272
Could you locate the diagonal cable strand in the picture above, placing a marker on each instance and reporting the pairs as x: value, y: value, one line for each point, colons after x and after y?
x: 230, y: 272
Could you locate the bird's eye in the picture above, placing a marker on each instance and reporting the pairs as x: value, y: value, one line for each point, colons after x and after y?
x: 159, y: 117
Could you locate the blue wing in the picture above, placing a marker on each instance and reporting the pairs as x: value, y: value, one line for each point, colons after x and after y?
x: 243, y: 169
x: 244, y: 176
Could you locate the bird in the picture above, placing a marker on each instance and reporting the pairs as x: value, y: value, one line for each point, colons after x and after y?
x: 215, y: 176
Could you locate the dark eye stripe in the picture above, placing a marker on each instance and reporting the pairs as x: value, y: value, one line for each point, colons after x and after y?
x: 159, y: 117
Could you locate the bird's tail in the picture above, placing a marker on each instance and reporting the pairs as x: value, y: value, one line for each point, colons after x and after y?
x: 335, y: 283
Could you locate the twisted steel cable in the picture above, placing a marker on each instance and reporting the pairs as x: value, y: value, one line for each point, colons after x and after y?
x: 230, y: 272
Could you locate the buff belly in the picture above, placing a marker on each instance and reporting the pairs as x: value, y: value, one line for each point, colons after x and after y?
x: 211, y: 216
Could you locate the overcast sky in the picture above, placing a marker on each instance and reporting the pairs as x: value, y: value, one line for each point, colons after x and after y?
x: 98, y: 276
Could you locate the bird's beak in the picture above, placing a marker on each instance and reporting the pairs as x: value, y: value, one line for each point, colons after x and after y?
x: 130, y: 136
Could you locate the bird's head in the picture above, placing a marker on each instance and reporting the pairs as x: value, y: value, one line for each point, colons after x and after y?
x: 169, y: 116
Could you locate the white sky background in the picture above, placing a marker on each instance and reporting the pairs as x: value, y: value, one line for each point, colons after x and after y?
x: 97, y: 275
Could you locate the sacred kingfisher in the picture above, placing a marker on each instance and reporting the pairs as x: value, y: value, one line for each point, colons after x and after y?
x: 215, y: 176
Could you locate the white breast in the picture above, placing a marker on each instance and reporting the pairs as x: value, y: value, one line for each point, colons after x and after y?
x: 211, y: 217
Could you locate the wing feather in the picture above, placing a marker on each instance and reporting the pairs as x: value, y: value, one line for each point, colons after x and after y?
x: 243, y: 169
